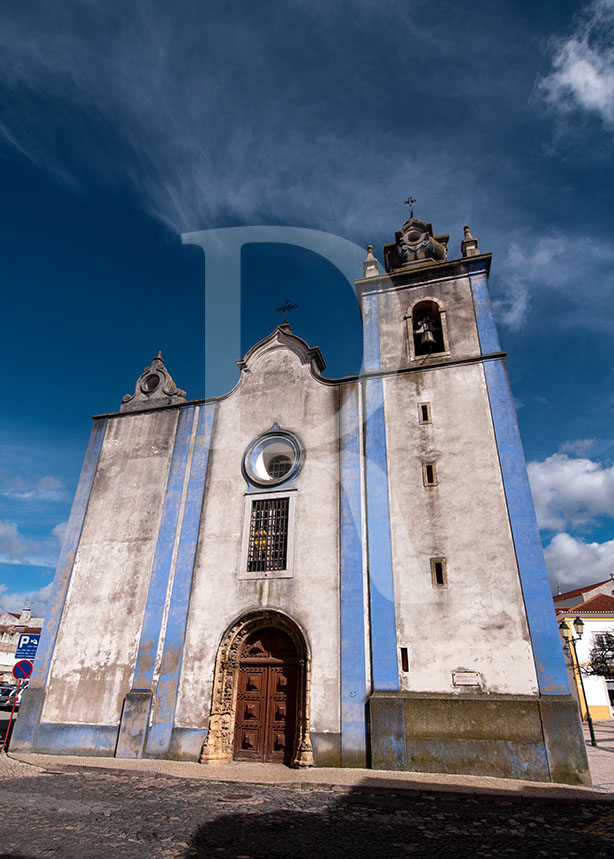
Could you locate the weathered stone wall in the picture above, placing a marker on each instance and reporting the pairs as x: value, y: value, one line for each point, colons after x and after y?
x: 456, y: 301
x: 476, y: 623
x: 98, y: 636
x: 278, y: 389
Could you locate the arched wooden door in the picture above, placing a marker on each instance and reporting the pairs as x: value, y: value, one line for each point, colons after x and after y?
x: 265, y: 722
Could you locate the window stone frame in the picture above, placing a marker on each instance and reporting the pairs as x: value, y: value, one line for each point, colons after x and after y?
x: 282, y: 492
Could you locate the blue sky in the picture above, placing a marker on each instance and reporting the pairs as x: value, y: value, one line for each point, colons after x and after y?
x: 123, y: 125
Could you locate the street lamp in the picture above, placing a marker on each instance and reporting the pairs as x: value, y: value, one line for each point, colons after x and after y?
x: 569, y: 637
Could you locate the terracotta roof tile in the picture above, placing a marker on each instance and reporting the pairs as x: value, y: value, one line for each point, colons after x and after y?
x: 579, y: 591
x: 600, y: 604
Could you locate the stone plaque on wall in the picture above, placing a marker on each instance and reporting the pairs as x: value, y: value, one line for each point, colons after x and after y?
x: 465, y: 678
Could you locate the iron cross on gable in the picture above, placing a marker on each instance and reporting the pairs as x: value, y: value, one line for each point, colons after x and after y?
x: 286, y: 306
x: 410, y: 202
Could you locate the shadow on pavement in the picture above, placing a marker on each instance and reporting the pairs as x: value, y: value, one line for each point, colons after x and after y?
x: 363, y: 825
x: 16, y: 856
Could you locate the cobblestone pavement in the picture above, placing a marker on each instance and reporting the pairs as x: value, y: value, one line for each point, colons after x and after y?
x: 94, y: 815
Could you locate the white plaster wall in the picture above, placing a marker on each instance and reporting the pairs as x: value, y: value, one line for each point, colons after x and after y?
x: 456, y: 297
x: 595, y: 686
x: 478, y: 622
x: 279, y: 389
x: 99, y: 632
x: 597, y: 693
x: 592, y: 627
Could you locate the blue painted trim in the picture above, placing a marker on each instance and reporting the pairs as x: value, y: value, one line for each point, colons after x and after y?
x: 161, y: 569
x: 487, y: 330
x: 545, y: 638
x: 187, y: 743
x: 66, y: 560
x: 352, y: 608
x: 516, y: 759
x: 388, y: 740
x: 160, y: 733
x: 69, y: 739
x: 381, y: 583
x: 370, y: 325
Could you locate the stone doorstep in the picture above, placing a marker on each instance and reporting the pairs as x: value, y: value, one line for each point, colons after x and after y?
x: 352, y: 781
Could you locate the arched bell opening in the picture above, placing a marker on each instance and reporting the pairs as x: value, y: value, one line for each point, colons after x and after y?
x: 427, y: 330
x: 260, y: 704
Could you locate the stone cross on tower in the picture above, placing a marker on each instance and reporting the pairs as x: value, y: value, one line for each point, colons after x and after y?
x: 286, y: 306
x: 410, y: 202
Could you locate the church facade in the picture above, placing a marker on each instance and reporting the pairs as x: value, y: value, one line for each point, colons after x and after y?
x: 313, y: 571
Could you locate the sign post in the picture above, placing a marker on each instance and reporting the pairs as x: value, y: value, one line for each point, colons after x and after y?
x: 26, y: 647
x: 22, y: 669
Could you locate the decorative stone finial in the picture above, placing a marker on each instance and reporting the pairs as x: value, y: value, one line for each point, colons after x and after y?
x: 370, y: 264
x: 469, y: 245
x: 154, y: 388
x: 415, y: 243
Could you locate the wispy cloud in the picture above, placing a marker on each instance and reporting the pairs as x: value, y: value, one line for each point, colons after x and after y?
x: 15, y: 548
x: 548, y: 267
x: 209, y: 114
x: 197, y: 113
x: 512, y: 307
x: 47, y: 488
x: 578, y: 446
x: 582, y: 74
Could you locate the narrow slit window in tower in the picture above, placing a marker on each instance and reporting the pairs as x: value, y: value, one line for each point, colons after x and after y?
x: 439, y: 573
x: 404, y: 660
x: 429, y: 474
x: 424, y: 413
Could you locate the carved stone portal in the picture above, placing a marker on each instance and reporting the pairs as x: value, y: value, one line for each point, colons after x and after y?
x: 218, y: 747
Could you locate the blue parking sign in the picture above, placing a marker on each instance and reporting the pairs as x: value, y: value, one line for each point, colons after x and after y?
x: 26, y: 648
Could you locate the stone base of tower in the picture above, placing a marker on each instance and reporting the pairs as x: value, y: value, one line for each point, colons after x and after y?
x: 535, y: 739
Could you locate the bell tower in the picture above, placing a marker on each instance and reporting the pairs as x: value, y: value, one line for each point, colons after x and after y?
x: 466, y: 661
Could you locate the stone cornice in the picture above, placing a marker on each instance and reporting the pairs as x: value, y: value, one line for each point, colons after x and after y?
x: 419, y: 274
x: 344, y: 380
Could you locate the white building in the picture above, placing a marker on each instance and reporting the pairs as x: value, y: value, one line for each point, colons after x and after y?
x: 594, y: 605
x: 339, y: 572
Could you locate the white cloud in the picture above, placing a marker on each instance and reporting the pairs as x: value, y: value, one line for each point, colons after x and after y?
x: 578, y: 446
x: 546, y: 260
x: 15, y: 548
x: 571, y: 492
x: 59, y: 531
x: 543, y: 266
x: 512, y: 309
x: 582, y: 73
x: 11, y: 541
x: 191, y: 110
x: 209, y: 117
x: 15, y: 600
x: 46, y: 488
x: 572, y: 562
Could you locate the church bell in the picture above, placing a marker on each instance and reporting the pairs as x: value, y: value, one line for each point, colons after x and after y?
x: 427, y: 341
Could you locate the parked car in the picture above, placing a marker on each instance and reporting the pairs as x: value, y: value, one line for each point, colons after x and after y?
x: 15, y: 696
x: 6, y: 690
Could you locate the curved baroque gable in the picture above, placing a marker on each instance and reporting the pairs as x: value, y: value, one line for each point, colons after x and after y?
x: 283, y: 338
